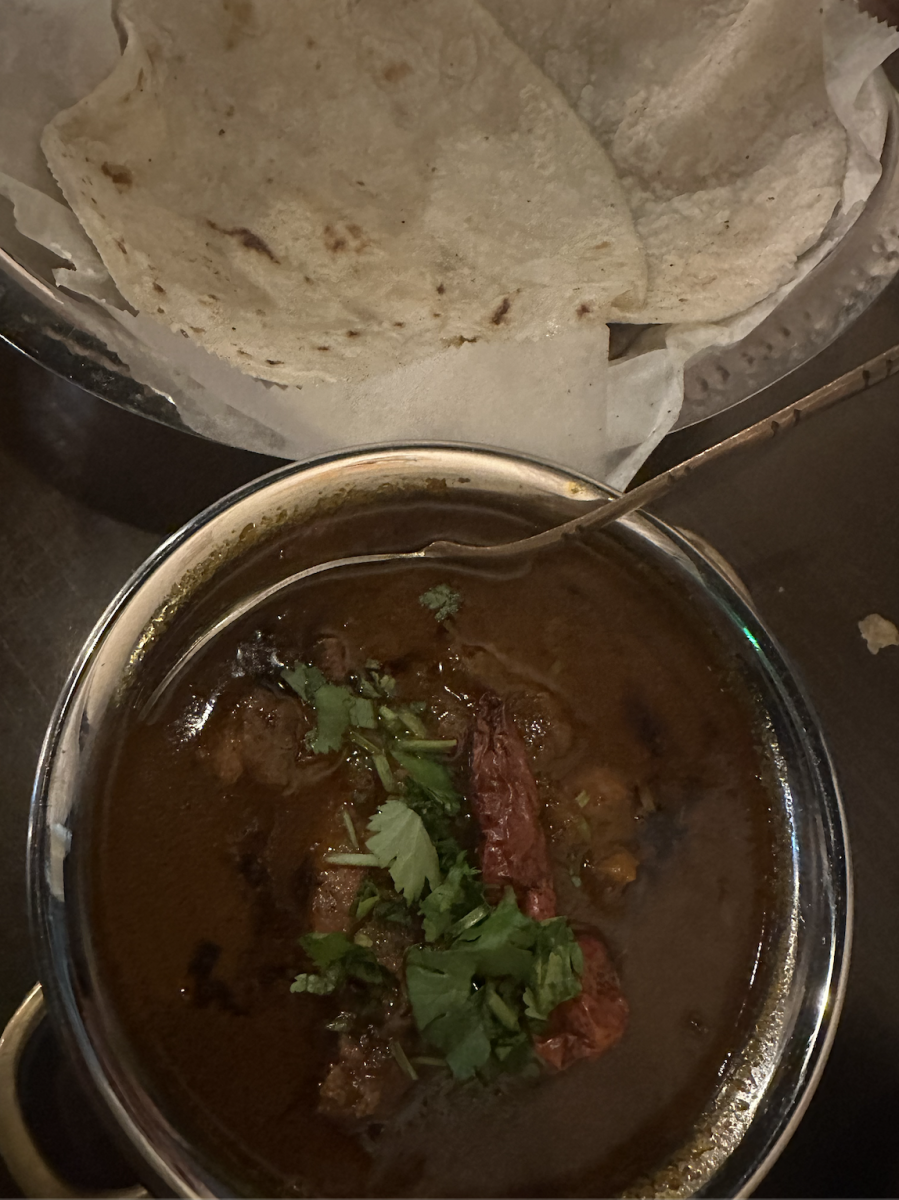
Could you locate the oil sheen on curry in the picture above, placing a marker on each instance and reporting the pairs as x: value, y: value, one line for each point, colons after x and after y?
x: 425, y: 881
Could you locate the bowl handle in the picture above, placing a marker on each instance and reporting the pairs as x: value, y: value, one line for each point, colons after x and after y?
x: 23, y: 1158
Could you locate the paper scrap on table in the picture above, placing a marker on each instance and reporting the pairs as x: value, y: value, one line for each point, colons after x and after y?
x: 878, y: 632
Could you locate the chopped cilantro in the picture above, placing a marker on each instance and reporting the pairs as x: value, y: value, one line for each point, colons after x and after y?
x: 382, y: 767
x: 315, y: 985
x: 487, y: 978
x: 364, y: 905
x: 451, y: 901
x: 391, y: 719
x: 338, y: 960
x: 366, y: 898
x: 430, y: 774
x: 399, y: 1054
x: 385, y: 684
x: 426, y: 745
x: 555, y: 975
x: 337, y: 708
x: 442, y: 599
x: 351, y: 829
x: 412, y: 720
x: 381, y: 903
x: 480, y: 999
x: 332, y: 715
x: 400, y: 843
x: 362, y: 713
x: 353, y: 860
x: 304, y: 680
x: 438, y: 816
x: 501, y: 945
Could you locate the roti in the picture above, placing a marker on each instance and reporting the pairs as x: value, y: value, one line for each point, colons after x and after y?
x: 717, y: 118
x: 333, y: 189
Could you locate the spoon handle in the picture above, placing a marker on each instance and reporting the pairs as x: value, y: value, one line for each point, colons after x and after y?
x: 853, y: 383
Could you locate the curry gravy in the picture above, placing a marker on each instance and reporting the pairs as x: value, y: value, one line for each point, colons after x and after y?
x: 208, y: 812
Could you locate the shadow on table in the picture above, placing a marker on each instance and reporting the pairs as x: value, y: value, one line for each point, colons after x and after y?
x: 848, y: 1141
x: 114, y: 462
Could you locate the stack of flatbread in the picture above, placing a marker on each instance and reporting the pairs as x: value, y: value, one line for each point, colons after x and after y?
x: 331, y: 189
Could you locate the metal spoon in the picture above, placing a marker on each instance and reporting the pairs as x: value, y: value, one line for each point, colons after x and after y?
x: 603, y: 513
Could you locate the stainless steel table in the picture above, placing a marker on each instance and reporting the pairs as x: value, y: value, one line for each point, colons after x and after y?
x: 809, y: 522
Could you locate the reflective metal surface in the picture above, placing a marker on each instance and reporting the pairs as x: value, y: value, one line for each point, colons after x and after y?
x: 768, y: 1077
x: 818, y: 310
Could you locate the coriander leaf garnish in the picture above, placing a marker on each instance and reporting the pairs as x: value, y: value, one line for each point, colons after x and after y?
x: 337, y: 708
x: 555, y: 975
x: 442, y: 599
x: 401, y: 844
x: 501, y: 945
x: 448, y: 1010
x: 487, y: 978
x: 332, y: 714
x: 338, y: 960
x: 458, y: 896
x: 362, y: 713
x: 430, y: 774
x: 304, y: 679
x: 426, y: 745
x: 412, y: 721
x: 402, y: 1059
x: 481, y: 997
x: 351, y: 829
x: 353, y: 860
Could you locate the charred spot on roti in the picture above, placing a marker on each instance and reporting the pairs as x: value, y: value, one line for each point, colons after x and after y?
x: 441, y: 288
x: 246, y: 237
x: 243, y: 17
x: 602, y: 245
x: 196, y: 329
x: 275, y: 362
x: 323, y: 347
x: 120, y: 176
x: 157, y: 287
x: 394, y: 72
x: 350, y: 237
x: 500, y: 312
x: 333, y: 240
x: 121, y: 245
x: 584, y: 309
x: 351, y: 333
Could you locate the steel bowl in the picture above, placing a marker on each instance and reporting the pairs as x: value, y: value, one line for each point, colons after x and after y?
x: 193, y: 578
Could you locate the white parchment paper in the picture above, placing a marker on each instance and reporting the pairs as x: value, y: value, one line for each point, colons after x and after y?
x: 558, y: 399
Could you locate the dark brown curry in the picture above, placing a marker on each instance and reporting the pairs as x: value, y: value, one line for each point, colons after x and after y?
x: 220, y: 820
